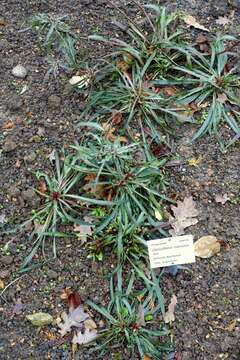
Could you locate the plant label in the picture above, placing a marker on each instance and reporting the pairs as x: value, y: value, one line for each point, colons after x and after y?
x: 169, y: 251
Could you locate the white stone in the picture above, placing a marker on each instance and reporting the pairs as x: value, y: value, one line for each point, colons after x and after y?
x: 19, y: 71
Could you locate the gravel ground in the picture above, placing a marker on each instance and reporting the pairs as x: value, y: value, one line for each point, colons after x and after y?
x: 43, y: 118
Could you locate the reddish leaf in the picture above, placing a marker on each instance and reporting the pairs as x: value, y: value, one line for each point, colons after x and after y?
x: 193, y: 106
x: 118, y: 118
x: 42, y: 187
x: 159, y: 149
x: 178, y: 356
x: 227, y: 66
x: 73, y: 300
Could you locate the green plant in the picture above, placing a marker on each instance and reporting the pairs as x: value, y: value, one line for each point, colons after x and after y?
x: 129, y: 317
x: 56, y: 206
x: 126, y: 174
x: 214, y: 81
x: 133, y: 96
x: 159, y: 37
x: 60, y: 40
x: 55, y: 28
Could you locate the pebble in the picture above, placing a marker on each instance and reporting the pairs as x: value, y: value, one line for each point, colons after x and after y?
x: 30, y: 157
x: 4, y: 274
x: 4, y: 44
x: 19, y: 71
x: 10, y: 145
x: 40, y: 319
x: 6, y: 260
x: 52, y: 274
x: 54, y: 101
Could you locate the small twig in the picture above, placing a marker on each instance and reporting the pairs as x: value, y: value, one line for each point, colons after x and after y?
x: 125, y: 15
x: 11, y: 283
x: 145, y: 13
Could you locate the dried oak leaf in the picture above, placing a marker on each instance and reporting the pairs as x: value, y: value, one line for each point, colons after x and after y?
x: 184, y: 216
x: 83, y: 230
x: 191, y: 21
x: 221, y: 198
x: 85, y: 337
x: 75, y: 318
x: 207, y: 246
x: 169, y: 315
x: 195, y: 161
x: 222, y: 20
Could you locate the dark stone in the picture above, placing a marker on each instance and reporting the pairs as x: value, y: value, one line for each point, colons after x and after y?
x: 6, y: 260
x: 15, y: 103
x: 10, y: 145
x: 52, y: 274
x: 54, y: 101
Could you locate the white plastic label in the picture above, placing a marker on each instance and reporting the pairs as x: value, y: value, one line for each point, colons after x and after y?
x: 171, y: 251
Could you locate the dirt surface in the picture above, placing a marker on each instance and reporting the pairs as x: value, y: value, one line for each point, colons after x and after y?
x: 43, y: 119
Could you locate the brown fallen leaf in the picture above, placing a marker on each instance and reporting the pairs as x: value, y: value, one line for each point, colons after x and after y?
x: 74, y: 348
x: 66, y: 292
x: 2, y: 22
x: 8, y: 126
x: 49, y: 335
x: 221, y: 198
x: 170, y: 91
x: 207, y: 246
x: 193, y: 106
x: 2, y: 285
x: 191, y: 21
x: 118, y: 118
x: 222, y: 20
x: 185, y: 214
x: 42, y: 187
x: 201, y: 39
x: 146, y: 357
x: 195, y: 161
x: 169, y: 315
x: 108, y: 133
